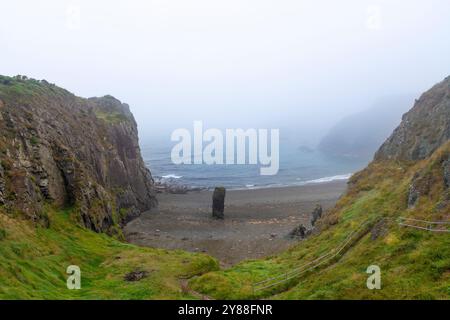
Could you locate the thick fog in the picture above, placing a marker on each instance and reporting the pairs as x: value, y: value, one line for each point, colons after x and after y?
x: 292, y: 64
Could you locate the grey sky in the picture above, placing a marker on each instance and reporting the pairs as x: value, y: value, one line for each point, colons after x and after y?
x: 230, y: 63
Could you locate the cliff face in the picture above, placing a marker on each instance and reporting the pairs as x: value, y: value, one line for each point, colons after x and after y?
x: 61, y: 149
x: 423, y: 129
x: 390, y: 209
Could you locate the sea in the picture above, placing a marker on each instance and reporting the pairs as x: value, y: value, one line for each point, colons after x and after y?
x: 298, y: 165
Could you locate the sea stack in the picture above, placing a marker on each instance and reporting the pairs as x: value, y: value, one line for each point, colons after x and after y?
x: 218, y: 202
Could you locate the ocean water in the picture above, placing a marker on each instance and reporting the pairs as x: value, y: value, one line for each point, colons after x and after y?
x: 298, y: 166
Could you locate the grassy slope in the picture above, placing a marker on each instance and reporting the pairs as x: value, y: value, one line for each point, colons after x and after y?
x: 415, y: 264
x: 33, y: 262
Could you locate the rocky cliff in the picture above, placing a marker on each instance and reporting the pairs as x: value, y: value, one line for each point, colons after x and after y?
x: 423, y: 129
x: 60, y: 149
x: 397, y: 210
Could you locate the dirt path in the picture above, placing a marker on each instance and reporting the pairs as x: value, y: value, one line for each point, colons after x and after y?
x: 256, y: 221
x: 187, y: 290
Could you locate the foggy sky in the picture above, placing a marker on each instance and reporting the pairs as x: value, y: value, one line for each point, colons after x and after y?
x: 230, y: 63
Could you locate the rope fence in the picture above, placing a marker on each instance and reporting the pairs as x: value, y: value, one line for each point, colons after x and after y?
x: 333, y: 253
x: 294, y: 273
x: 406, y: 222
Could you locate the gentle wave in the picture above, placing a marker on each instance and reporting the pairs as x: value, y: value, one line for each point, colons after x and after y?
x: 300, y: 183
x: 265, y: 186
x: 172, y: 176
x: 329, y: 179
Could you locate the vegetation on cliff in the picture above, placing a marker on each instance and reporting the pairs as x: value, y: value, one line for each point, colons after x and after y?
x: 70, y: 168
x: 409, y: 178
x: 68, y: 151
x: 42, y: 231
x: 415, y: 264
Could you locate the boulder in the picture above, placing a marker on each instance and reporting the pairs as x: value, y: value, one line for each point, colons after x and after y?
x: 299, y: 232
x: 136, y: 276
x: 218, y: 203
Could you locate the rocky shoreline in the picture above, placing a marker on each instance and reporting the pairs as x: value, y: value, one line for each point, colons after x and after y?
x: 257, y: 222
x: 167, y: 186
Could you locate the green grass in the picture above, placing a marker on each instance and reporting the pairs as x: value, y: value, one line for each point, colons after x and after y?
x: 19, y: 86
x: 33, y: 262
x: 34, y: 141
x: 22, y: 89
x: 414, y: 264
x: 111, y: 117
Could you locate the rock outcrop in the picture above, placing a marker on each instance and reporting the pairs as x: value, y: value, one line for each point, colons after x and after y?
x: 316, y: 214
x: 446, y: 168
x: 379, y: 230
x: 61, y: 149
x: 420, y: 186
x: 423, y: 129
x: 136, y: 276
x: 300, y: 232
x: 2, y: 185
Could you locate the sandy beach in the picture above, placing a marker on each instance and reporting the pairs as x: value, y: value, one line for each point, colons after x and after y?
x: 256, y: 222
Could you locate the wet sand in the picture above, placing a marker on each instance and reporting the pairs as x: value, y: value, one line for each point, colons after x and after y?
x: 256, y: 222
